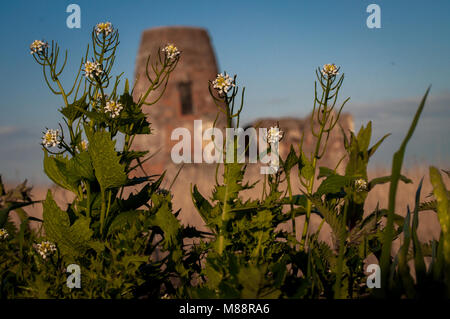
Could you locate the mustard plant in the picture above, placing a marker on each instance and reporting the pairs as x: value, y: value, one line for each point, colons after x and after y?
x: 122, y: 244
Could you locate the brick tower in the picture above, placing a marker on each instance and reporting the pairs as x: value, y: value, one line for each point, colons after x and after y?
x: 186, y: 97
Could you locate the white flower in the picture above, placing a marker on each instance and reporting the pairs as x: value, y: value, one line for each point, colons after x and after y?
x: 171, y: 51
x: 104, y: 27
x: 3, y: 233
x: 37, y: 46
x: 114, y: 108
x: 92, y: 69
x: 51, y: 138
x: 83, y: 146
x: 361, y: 185
x: 330, y: 70
x: 274, y: 134
x: 223, y: 83
x: 45, y: 249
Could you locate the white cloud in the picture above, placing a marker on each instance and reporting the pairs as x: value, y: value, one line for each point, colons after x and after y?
x: 430, y: 141
x: 8, y: 130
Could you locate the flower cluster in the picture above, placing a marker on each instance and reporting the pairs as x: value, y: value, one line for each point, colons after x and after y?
x: 171, y: 51
x: 45, y: 249
x: 3, y: 234
x: 274, y: 135
x: 38, y: 46
x: 114, y: 108
x: 92, y: 69
x: 83, y: 146
x: 330, y: 70
x: 104, y: 27
x: 51, y: 138
x: 361, y: 185
x: 223, y: 83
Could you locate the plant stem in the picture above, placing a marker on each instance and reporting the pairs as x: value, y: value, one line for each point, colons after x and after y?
x: 314, y: 164
x: 288, y: 179
x: 88, y: 199
x: 103, y: 211
x: 224, y: 209
x: 340, y: 262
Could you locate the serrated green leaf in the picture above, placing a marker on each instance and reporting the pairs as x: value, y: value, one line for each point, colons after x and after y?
x: 166, y: 221
x: 255, y: 285
x: 71, y: 240
x: 123, y: 219
x: 81, y: 165
x: 333, y: 184
x: 108, y: 170
x: 55, y: 168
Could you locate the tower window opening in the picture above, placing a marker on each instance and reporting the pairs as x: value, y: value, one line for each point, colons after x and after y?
x: 185, y: 90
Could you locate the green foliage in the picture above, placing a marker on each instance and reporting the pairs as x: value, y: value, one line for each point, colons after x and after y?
x: 117, y: 242
x: 397, y: 162
x: 133, y: 246
x: 72, y: 240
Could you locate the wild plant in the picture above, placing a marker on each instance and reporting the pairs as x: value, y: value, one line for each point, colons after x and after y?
x: 125, y: 246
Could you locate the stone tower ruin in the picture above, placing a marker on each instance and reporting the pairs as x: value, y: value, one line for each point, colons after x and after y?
x: 186, y: 97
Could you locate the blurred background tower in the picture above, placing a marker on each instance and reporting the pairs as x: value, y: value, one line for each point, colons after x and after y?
x: 186, y: 98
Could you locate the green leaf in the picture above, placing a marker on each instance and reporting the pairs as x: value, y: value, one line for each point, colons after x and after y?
x: 333, y: 184
x: 132, y: 120
x: 325, y: 172
x: 296, y: 200
x: 373, y: 149
x: 387, y: 179
x: 405, y: 275
x: 335, y: 221
x: 255, y: 285
x: 443, y: 210
x: 81, y: 166
x: 123, y: 220
x: 165, y: 220
x: 305, y: 167
x: 364, y: 136
x: 72, y: 240
x: 202, y: 205
x: 213, y: 275
x: 419, y: 261
x: 108, y: 170
x: 55, y: 168
x: 76, y: 109
x: 291, y: 160
x: 397, y: 162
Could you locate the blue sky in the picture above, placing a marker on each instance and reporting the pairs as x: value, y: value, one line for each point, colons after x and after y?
x: 273, y: 46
